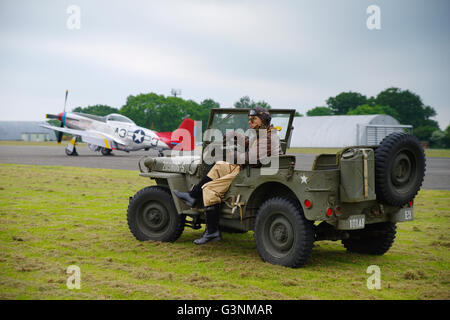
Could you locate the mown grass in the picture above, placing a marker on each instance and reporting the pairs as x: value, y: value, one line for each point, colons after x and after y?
x: 53, y: 217
x: 441, y: 153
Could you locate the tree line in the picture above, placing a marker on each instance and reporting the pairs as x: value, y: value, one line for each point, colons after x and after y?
x: 165, y: 113
x: 403, y: 105
x: 157, y: 112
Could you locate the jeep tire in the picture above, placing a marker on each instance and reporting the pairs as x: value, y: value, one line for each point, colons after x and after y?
x: 152, y: 215
x: 375, y: 239
x: 399, y: 169
x: 282, y: 234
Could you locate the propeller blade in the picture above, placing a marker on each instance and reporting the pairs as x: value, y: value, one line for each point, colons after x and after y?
x: 60, y: 134
x: 65, y: 100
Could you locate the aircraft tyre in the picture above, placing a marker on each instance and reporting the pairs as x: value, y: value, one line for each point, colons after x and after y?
x: 106, y: 152
x: 72, y: 153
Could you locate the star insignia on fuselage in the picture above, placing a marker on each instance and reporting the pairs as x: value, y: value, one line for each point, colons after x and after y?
x: 304, y: 179
x: 138, y: 136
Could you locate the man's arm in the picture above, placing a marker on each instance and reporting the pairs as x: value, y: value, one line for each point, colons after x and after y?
x: 266, y: 145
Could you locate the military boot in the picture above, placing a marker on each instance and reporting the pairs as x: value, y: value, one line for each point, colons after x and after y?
x: 190, y: 198
x: 212, y: 233
x: 186, y: 197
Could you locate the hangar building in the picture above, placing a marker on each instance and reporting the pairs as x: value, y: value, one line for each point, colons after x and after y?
x: 342, y: 131
x: 25, y: 131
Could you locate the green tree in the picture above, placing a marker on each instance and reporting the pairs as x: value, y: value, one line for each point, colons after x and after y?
x: 319, y: 111
x: 263, y: 104
x: 424, y: 132
x: 98, y: 110
x: 437, y: 139
x: 368, y: 109
x: 54, y: 122
x: 143, y: 109
x: 203, y: 112
x: 411, y: 110
x: 161, y: 113
x: 409, y: 107
x: 345, y: 101
x: 170, y: 114
x: 243, y: 103
x: 446, y: 139
x: 209, y: 104
x: 246, y: 102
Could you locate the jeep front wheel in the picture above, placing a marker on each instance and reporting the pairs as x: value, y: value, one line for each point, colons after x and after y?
x: 282, y: 234
x: 152, y: 215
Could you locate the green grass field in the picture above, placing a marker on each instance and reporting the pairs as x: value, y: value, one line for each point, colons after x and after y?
x: 54, y: 217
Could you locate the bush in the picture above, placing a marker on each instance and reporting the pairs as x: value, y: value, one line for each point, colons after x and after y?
x: 446, y: 140
x: 437, y: 139
x: 423, y: 133
x: 376, y: 109
x: 319, y: 111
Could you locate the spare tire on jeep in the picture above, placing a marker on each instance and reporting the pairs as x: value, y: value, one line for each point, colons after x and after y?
x: 399, y: 168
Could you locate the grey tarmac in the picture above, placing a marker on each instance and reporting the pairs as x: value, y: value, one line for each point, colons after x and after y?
x: 437, y: 172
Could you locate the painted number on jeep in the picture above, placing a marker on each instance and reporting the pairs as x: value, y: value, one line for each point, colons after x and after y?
x: 357, y: 222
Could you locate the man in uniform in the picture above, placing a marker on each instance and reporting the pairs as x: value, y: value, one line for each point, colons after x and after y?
x: 218, y: 180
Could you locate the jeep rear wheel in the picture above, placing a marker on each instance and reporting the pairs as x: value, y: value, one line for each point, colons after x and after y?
x: 152, y: 215
x: 282, y: 234
x: 376, y: 239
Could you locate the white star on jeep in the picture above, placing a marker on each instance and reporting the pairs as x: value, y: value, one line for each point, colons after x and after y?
x: 304, y: 179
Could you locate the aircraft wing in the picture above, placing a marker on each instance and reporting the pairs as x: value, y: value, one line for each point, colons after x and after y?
x: 92, y: 137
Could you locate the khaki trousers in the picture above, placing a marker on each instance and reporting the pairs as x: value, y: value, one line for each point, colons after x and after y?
x: 222, y: 174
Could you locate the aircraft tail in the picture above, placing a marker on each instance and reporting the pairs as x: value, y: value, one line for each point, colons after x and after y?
x: 183, y: 138
x: 186, y: 131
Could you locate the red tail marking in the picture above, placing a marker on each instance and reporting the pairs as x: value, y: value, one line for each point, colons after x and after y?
x: 183, y: 138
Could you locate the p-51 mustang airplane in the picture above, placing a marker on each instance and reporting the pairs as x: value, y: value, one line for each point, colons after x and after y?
x: 117, y: 132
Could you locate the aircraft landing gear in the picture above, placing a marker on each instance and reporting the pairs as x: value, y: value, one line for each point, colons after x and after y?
x: 70, y: 149
x: 106, y: 152
x: 72, y: 153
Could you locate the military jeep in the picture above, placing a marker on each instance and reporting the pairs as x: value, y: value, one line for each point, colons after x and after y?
x: 356, y: 195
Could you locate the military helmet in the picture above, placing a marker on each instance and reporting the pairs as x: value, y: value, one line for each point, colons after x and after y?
x: 261, y: 113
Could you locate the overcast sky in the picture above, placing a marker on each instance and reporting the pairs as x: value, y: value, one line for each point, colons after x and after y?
x: 292, y: 54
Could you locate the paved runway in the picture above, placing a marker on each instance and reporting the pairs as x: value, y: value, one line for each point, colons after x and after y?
x: 437, y: 173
